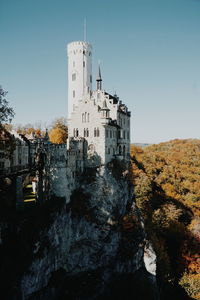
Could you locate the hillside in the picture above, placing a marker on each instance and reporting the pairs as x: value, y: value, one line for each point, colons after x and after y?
x: 167, y: 190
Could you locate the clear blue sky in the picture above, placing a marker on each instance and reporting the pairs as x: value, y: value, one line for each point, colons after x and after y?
x: 149, y: 52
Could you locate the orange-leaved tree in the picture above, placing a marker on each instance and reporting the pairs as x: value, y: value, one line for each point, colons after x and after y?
x: 59, y: 132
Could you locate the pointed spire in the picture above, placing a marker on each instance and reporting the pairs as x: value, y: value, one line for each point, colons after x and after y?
x: 99, y: 79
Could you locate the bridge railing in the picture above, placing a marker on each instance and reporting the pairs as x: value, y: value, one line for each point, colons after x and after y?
x: 13, y: 169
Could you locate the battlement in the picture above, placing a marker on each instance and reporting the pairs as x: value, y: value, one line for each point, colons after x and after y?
x: 71, y: 45
x: 58, y: 146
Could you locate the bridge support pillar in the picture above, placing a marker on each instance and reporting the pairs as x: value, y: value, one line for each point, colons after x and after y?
x: 19, y: 193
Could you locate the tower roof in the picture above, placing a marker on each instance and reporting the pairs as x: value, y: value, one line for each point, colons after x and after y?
x: 105, y: 107
x: 99, y: 74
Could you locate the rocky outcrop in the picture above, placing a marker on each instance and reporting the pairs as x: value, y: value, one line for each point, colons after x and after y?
x: 92, y: 247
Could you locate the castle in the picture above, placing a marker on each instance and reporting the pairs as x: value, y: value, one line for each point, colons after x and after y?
x: 98, y: 125
x: 98, y: 132
x: 98, y: 117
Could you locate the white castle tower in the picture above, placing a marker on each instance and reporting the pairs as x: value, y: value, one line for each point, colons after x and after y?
x: 79, y: 73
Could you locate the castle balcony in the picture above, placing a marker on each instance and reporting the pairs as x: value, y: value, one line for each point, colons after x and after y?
x: 105, y: 121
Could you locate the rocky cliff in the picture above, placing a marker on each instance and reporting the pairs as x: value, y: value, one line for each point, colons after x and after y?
x: 88, y: 247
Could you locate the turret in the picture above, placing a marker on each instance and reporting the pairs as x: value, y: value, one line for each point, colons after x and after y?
x: 105, y: 111
x: 79, y: 73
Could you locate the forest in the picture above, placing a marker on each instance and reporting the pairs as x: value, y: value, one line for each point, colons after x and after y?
x: 166, y: 179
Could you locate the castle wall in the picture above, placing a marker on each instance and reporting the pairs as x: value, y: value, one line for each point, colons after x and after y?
x: 84, y: 121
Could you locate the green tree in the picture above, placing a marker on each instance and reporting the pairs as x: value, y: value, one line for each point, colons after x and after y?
x: 6, y: 112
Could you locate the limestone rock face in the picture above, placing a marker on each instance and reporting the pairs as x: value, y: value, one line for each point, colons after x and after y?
x: 92, y: 243
x: 150, y: 258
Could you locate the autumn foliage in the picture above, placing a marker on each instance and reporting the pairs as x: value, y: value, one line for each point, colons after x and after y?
x: 59, y: 132
x: 167, y: 191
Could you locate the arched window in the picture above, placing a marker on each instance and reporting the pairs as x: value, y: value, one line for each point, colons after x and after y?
x: 95, y: 132
x: 76, y: 132
x: 84, y: 132
x: 83, y: 118
x: 87, y: 132
x: 88, y: 117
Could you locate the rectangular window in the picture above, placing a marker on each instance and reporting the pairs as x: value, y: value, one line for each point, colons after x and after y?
x: 90, y: 78
x: 74, y: 77
x: 84, y: 64
x: 73, y: 94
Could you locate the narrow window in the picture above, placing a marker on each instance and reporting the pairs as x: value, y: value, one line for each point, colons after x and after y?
x: 108, y: 150
x: 124, y: 134
x: 88, y: 117
x: 120, y: 150
x: 73, y: 76
x: 84, y: 132
x: 95, y: 132
x: 98, y: 132
x: 82, y: 118
x: 73, y: 94
x: 90, y: 78
x: 84, y: 64
x: 124, y: 150
x: 87, y: 132
x: 73, y: 64
x: 107, y: 133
